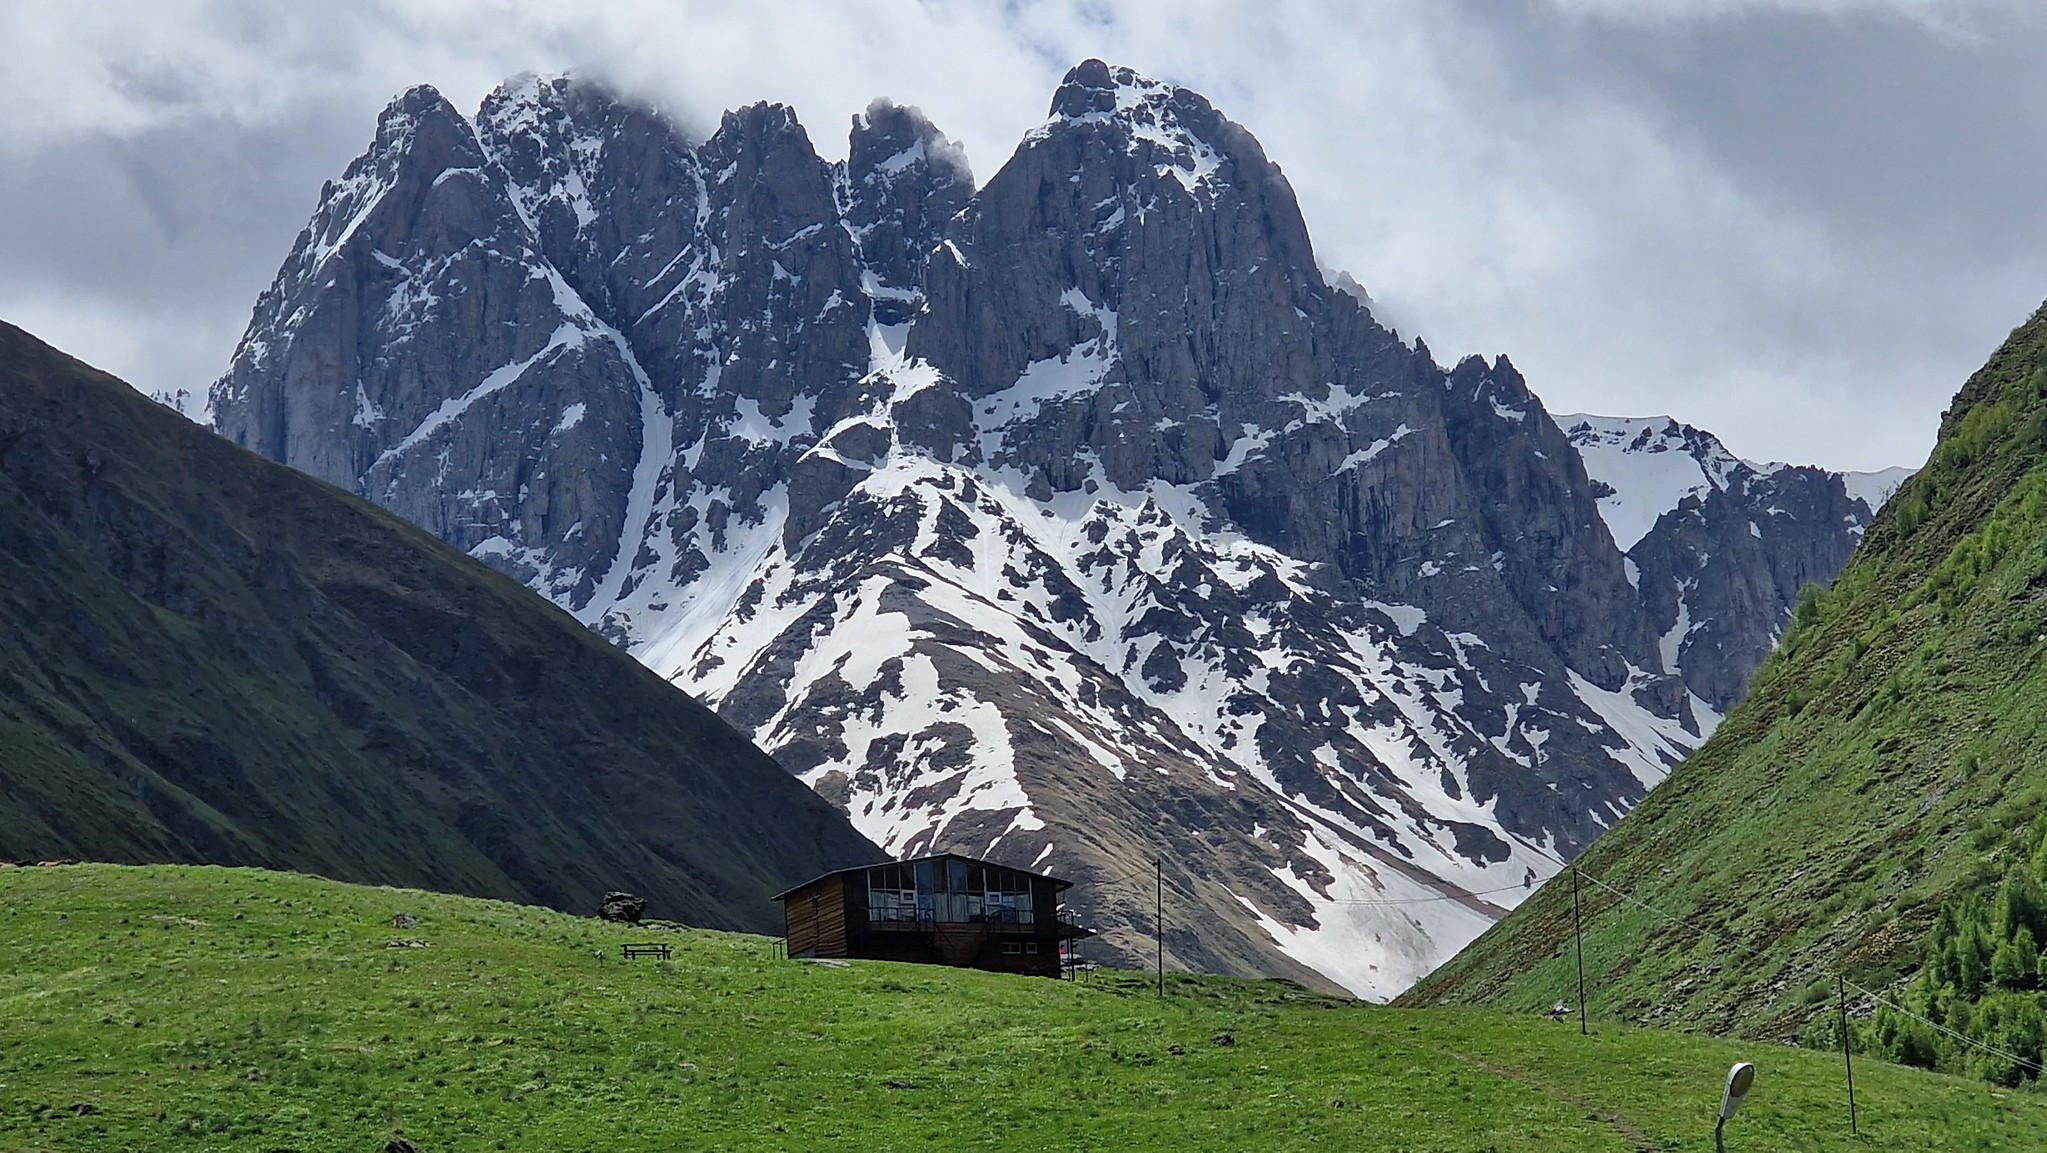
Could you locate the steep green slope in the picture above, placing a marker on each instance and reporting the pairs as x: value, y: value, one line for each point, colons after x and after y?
x: 207, y: 657
x: 180, y: 1008
x: 1889, y: 763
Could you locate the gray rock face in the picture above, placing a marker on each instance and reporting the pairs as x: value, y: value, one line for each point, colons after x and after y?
x: 1719, y: 570
x: 1075, y: 521
x: 902, y: 181
x: 418, y: 349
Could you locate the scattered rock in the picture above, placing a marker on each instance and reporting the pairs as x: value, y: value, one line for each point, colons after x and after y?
x: 825, y: 963
x: 624, y: 907
x: 82, y: 1109
x: 1177, y: 1050
x: 408, y: 943
x: 901, y: 1085
x: 1225, y: 1040
x: 405, y: 921
x: 400, y: 1145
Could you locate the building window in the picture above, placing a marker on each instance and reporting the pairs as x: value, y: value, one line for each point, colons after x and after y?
x: 1030, y: 946
x: 1013, y: 947
x: 951, y: 891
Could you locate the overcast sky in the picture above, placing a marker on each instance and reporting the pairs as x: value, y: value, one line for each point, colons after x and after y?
x: 1797, y: 223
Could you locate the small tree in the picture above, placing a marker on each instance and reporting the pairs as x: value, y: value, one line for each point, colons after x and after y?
x: 1896, y: 1037
x: 2015, y: 1027
x: 2028, y: 959
x: 2007, y: 970
x: 2020, y: 904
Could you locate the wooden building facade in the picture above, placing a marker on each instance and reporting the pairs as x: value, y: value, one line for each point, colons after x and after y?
x: 942, y: 910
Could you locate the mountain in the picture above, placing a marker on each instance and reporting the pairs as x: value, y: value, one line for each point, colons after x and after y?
x: 1876, y: 808
x: 1074, y: 519
x: 1719, y: 547
x: 212, y: 658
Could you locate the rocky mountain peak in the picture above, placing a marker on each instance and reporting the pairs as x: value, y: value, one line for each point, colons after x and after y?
x: 1173, y: 130
x: 1717, y: 546
x: 764, y: 127
x: 550, y: 132
x: 889, y: 139
x: 1075, y: 520
x: 421, y: 113
x: 419, y: 136
x: 1133, y: 235
x: 1089, y: 89
x: 768, y: 176
x: 1647, y: 465
x: 903, y: 180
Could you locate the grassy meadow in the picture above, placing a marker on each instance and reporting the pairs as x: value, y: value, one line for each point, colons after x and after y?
x: 177, y: 1008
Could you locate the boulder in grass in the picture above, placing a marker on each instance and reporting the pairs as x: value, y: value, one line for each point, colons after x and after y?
x: 622, y: 907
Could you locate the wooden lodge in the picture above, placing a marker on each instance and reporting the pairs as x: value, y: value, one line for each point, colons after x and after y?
x: 942, y: 910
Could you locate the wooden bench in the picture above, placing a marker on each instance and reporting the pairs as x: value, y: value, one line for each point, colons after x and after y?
x: 655, y: 949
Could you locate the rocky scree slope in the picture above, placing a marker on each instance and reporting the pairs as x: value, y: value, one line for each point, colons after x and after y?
x: 1885, y: 772
x: 1073, y: 520
x: 212, y: 658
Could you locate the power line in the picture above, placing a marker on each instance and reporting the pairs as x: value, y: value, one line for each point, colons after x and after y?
x: 1722, y: 936
x: 1717, y: 934
x: 1964, y: 1038
x: 1461, y: 896
x: 1872, y: 994
x: 1466, y: 895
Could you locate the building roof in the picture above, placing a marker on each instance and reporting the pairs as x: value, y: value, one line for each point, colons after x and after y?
x: 1059, y: 884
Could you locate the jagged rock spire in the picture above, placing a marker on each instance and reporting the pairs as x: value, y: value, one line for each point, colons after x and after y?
x: 903, y: 181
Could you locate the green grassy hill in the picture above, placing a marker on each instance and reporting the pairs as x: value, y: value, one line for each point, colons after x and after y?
x: 182, y: 1008
x: 209, y: 657
x: 1875, y: 804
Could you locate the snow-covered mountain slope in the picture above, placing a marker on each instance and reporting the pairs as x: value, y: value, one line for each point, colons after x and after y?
x: 1875, y: 488
x: 1075, y: 520
x: 1719, y: 546
x: 1646, y: 467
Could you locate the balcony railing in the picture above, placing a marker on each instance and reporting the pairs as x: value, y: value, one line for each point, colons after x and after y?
x: 915, y: 918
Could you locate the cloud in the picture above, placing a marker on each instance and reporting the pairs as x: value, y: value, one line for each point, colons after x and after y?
x: 1799, y: 223
x: 1961, y: 18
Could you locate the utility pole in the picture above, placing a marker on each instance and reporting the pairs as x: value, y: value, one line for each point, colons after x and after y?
x: 1578, y: 930
x: 1841, y: 987
x: 1158, y: 867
